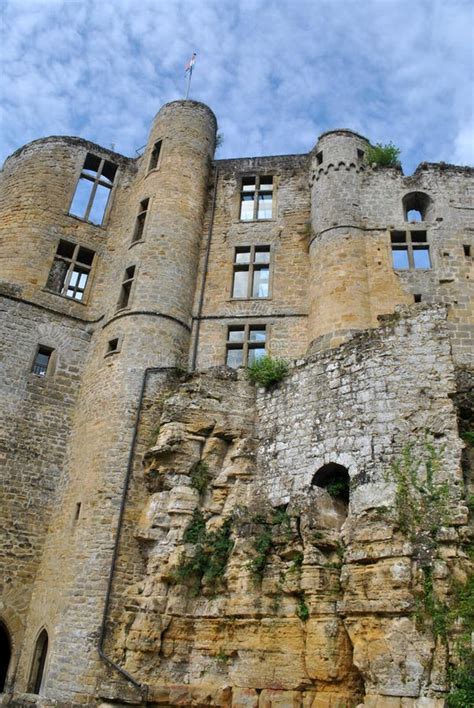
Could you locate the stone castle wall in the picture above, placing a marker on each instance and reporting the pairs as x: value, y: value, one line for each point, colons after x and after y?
x: 72, y: 438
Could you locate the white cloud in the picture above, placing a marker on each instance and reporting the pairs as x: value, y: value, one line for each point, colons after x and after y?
x: 275, y: 72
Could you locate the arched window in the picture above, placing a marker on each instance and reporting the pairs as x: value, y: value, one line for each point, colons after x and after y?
x: 416, y: 206
x: 335, y: 480
x: 5, y: 655
x: 39, y: 661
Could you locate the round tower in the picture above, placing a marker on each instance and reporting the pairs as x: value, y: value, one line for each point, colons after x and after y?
x: 339, y: 301
x: 150, y: 264
x: 159, y: 251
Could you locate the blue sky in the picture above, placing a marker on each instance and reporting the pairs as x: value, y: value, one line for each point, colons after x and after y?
x: 277, y: 73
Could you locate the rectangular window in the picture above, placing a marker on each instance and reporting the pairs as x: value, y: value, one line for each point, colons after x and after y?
x: 155, y: 155
x: 410, y: 250
x: 251, y: 277
x: 140, y: 222
x: 41, y: 361
x: 256, y: 198
x: 70, y: 271
x: 93, y: 189
x: 245, y: 343
x: 126, y: 288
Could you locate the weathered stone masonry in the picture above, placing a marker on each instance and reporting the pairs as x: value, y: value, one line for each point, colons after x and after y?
x: 305, y: 600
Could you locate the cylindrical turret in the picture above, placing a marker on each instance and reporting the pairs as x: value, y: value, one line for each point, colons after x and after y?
x: 339, y: 302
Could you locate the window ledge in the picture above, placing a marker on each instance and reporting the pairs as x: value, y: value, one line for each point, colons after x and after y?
x: 249, y: 299
x: 86, y: 221
x: 64, y: 297
x: 155, y: 169
x: 109, y: 354
x: 134, y: 243
x: 255, y: 221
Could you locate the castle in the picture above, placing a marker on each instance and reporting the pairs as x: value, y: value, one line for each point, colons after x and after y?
x: 173, y: 534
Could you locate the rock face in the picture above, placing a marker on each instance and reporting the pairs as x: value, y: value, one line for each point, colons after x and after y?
x: 268, y: 579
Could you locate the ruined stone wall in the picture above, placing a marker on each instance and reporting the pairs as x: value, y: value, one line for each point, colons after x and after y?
x: 289, y: 597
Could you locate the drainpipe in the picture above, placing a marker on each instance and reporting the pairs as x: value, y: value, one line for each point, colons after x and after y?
x: 197, y: 319
x: 141, y: 687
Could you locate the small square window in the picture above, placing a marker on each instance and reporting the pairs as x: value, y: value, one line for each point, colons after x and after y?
x: 71, y: 270
x: 113, y: 346
x: 245, y: 343
x: 42, y: 360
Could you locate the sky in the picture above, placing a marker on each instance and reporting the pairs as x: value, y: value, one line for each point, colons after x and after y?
x: 277, y: 73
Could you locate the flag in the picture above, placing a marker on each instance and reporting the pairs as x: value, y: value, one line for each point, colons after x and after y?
x: 190, y: 63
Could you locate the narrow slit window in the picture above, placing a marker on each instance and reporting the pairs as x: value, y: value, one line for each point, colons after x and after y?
x: 256, y: 198
x: 140, y: 222
x: 71, y: 270
x: 251, y: 278
x: 155, y: 155
x: 126, y: 288
x: 39, y: 663
x: 42, y: 360
x: 93, y: 189
x: 319, y: 158
x: 467, y: 250
x: 245, y: 344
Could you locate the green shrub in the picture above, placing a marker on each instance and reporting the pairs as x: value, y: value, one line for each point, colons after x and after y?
x: 263, y: 545
x: 210, y: 556
x: 302, y: 609
x: 267, y: 371
x: 200, y: 476
x: 382, y: 155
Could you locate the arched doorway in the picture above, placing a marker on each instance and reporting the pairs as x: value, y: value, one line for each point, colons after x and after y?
x: 5, y: 655
x: 39, y: 661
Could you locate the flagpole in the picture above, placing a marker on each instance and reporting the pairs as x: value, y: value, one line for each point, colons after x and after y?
x: 190, y: 73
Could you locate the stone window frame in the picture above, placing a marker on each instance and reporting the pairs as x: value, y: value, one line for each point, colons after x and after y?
x: 39, y: 662
x: 245, y: 344
x: 252, y: 267
x: 139, y: 229
x: 99, y: 179
x: 127, y: 287
x: 404, y: 240
x: 114, y: 345
x: 74, y: 265
x: 153, y: 165
x: 256, y: 192
x: 38, y: 370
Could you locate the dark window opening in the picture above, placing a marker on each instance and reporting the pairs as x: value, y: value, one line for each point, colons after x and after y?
x: 39, y: 661
x: 126, y: 288
x: 140, y: 222
x: 467, y: 250
x: 251, y: 277
x: 155, y: 155
x: 93, y: 189
x: 42, y: 359
x: 5, y: 655
x: 245, y: 344
x: 319, y: 158
x: 112, y: 346
x: 70, y: 271
x: 416, y: 206
x: 77, y: 512
x: 335, y: 480
x: 360, y: 154
x: 417, y: 298
x: 410, y: 250
x: 256, y: 198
